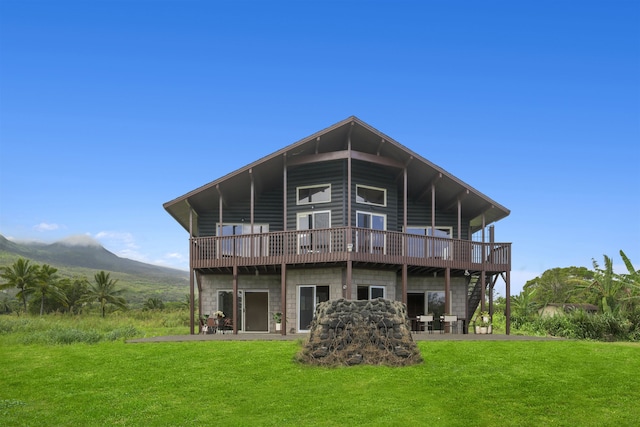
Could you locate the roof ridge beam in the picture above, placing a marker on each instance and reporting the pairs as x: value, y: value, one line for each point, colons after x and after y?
x: 344, y: 154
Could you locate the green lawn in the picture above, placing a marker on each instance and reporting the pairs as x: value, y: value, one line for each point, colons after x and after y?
x: 476, y: 383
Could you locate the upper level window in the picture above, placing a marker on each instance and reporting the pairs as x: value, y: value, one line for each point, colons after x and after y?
x: 314, y: 194
x: 420, y: 245
x: 371, y: 195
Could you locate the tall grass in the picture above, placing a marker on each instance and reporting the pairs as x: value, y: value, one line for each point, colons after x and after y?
x: 91, y: 328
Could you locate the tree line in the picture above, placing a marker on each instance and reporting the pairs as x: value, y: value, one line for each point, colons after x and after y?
x: 616, y: 296
x: 40, y: 289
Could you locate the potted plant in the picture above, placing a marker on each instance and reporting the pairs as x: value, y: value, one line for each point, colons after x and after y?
x: 483, y: 323
x: 277, y: 317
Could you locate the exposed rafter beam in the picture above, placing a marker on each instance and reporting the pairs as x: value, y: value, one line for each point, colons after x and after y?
x: 372, y: 158
x: 314, y: 158
x: 400, y: 175
x: 257, y: 182
x: 427, y: 187
x: 219, y: 190
x: 453, y: 202
x: 489, y: 207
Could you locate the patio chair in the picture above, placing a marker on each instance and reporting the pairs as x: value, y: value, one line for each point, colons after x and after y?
x: 211, y: 325
x: 452, y: 323
x: 426, y: 322
x: 225, y: 324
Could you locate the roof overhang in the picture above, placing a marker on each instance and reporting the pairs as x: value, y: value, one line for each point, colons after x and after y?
x: 350, y: 137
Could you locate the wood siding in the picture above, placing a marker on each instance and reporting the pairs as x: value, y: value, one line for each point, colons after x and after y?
x: 267, y: 210
x: 333, y: 173
x: 380, y: 177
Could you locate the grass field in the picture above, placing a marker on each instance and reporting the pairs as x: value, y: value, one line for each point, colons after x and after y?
x: 472, y: 383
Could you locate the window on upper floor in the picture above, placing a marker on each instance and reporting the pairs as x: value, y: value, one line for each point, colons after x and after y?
x: 419, y: 244
x: 314, y: 194
x: 318, y: 239
x: 371, y: 195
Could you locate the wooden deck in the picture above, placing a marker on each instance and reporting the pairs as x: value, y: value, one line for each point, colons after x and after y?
x: 343, y: 244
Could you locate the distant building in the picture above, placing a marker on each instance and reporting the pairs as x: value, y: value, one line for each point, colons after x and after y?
x: 551, y: 310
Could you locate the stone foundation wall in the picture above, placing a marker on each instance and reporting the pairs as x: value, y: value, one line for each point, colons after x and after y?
x: 345, y: 332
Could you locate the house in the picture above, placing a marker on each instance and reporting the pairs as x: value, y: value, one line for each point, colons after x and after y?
x: 551, y: 310
x: 345, y: 213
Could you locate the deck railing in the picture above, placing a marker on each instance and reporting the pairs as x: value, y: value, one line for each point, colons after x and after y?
x: 343, y: 243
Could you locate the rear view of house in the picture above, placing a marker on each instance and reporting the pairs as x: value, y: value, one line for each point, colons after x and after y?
x: 345, y: 213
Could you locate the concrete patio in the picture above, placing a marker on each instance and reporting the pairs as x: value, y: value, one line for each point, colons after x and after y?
x: 420, y: 336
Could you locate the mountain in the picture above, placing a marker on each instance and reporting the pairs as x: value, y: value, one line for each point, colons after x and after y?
x: 81, y: 255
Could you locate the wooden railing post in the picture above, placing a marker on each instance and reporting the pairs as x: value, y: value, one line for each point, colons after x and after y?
x: 331, y: 245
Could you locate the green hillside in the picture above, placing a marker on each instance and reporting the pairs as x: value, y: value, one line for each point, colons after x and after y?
x: 141, y: 281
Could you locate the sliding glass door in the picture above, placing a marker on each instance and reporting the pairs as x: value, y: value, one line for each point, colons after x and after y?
x: 314, y: 241
x: 373, y: 239
x: 308, y: 297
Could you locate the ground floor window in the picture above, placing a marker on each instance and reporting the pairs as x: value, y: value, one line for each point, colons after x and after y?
x: 436, y: 306
x: 364, y: 292
x: 435, y: 303
x: 308, y: 297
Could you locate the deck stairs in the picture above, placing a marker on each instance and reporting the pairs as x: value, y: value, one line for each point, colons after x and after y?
x: 475, y: 294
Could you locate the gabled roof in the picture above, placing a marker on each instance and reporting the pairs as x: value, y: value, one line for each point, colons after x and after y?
x: 366, y: 142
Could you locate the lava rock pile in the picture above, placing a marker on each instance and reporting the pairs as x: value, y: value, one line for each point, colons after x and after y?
x: 374, y: 332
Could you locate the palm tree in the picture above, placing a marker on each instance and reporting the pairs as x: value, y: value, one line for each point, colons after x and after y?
x: 75, y: 291
x: 523, y: 306
x: 631, y: 281
x: 104, y: 292
x: 20, y: 275
x: 6, y: 304
x: 606, y: 285
x: 47, y: 285
x: 186, y: 301
x: 153, y: 304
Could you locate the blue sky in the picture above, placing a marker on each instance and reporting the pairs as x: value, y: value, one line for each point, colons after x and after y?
x: 108, y: 109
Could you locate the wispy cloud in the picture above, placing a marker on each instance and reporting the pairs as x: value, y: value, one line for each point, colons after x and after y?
x: 44, y: 226
x: 117, y: 238
x: 124, y: 245
x: 121, y: 243
x: 80, y: 240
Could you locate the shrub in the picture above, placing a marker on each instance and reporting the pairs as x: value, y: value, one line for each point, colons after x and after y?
x: 60, y: 335
x: 582, y: 325
x: 122, y: 333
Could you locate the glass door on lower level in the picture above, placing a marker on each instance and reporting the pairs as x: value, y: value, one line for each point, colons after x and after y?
x: 436, y: 306
x: 225, y: 305
x: 308, y: 297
